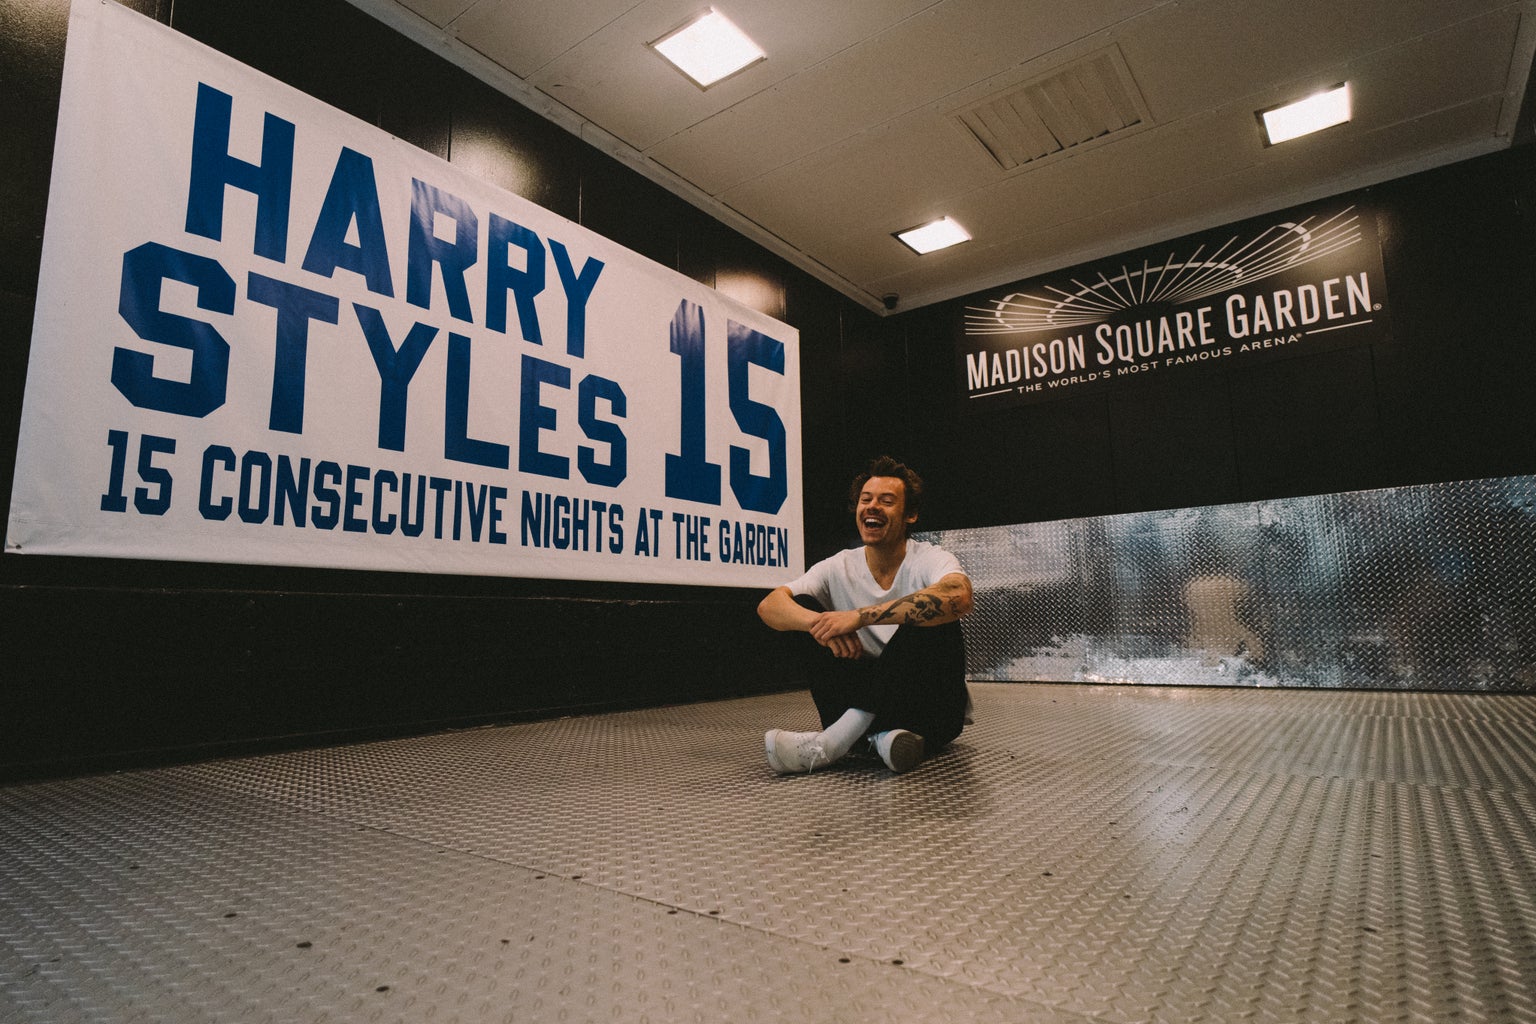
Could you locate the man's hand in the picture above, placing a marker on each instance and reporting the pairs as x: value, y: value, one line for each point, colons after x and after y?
x: 836, y: 631
x: 845, y: 646
x: 828, y: 625
x: 833, y: 630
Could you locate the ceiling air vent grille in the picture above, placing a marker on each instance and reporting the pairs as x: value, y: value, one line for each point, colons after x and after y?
x: 1089, y: 101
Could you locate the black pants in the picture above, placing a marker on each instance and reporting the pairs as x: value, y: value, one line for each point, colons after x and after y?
x: 918, y: 683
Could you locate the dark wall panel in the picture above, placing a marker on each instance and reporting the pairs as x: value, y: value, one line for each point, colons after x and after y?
x: 873, y: 380
x: 1045, y: 463
x: 15, y: 331
x: 1306, y: 425
x: 625, y: 207
x: 955, y: 477
x: 501, y: 142
x: 31, y: 54
x: 826, y: 466
x: 189, y: 672
x: 1456, y: 384
x: 1174, y: 445
x: 332, y: 51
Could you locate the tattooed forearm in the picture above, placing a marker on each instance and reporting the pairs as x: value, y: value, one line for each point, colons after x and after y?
x: 945, y: 601
x: 918, y: 607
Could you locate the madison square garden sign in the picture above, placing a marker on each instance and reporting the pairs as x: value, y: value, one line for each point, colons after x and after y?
x: 1302, y: 281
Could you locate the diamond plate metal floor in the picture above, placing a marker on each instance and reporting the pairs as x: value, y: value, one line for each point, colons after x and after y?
x: 1081, y: 854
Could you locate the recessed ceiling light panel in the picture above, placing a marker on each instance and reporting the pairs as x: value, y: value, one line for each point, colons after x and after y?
x: 1313, y: 114
x: 709, y: 49
x: 935, y: 235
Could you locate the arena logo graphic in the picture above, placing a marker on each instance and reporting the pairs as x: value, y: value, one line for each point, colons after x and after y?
x: 1309, y: 281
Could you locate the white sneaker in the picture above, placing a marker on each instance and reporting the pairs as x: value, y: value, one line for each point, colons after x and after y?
x: 899, y: 749
x: 790, y: 752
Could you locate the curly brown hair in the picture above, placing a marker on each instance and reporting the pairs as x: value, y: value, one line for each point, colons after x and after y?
x: 887, y: 466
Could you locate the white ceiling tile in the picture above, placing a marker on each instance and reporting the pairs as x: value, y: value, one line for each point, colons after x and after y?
x: 525, y: 35
x: 438, y: 12
x: 935, y: 55
x: 1202, y: 53
x: 616, y: 80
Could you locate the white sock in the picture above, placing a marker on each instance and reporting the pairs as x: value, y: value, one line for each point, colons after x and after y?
x: 839, y: 737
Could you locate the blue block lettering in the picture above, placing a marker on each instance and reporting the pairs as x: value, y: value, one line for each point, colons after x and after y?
x: 213, y: 169
x: 457, y: 444
x: 215, y: 455
x: 133, y: 373
x: 396, y: 368
x: 535, y: 417
x: 291, y: 490
x: 689, y: 474
x: 255, y: 487
x: 115, y: 500
x: 296, y: 307
x: 353, y: 198
x: 746, y: 348
x: 424, y: 248
x: 578, y: 289
x: 327, y: 512
x: 383, y: 480
x: 502, y: 277
x: 588, y: 393
x: 351, y: 522
x: 158, y: 501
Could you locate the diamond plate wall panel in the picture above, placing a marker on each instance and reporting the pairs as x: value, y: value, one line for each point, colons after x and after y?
x: 1301, y: 610
x: 1031, y: 579
x: 1424, y: 588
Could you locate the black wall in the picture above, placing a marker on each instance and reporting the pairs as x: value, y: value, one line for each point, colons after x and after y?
x: 111, y: 662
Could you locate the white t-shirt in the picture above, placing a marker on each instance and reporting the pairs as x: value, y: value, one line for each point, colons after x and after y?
x: 844, y: 582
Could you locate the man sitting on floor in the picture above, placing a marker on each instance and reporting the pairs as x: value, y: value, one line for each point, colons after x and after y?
x: 888, y: 663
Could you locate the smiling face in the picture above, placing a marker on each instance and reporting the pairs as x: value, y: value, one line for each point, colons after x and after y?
x: 881, y: 511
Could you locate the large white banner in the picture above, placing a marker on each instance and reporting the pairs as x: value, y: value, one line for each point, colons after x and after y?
x: 267, y: 332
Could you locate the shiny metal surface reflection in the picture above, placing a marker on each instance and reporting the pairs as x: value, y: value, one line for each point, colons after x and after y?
x: 1426, y: 587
